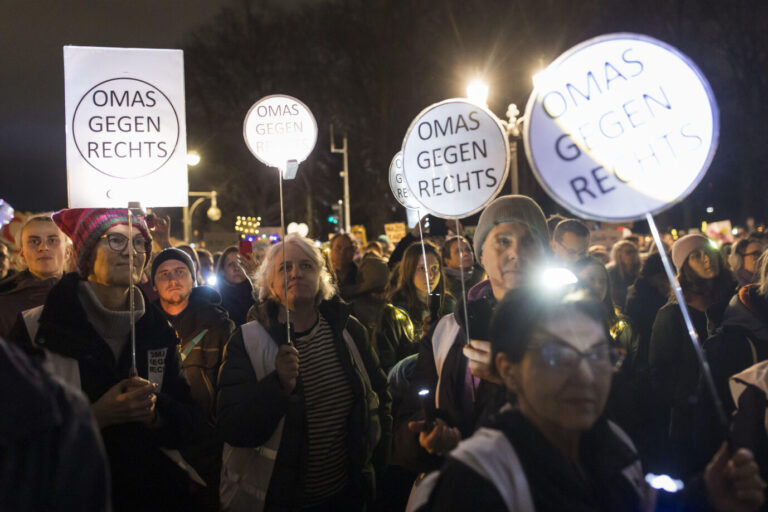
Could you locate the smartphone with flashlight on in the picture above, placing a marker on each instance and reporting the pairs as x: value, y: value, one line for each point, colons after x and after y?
x: 427, y: 408
x: 246, y: 247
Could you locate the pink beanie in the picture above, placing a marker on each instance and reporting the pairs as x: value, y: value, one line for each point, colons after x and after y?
x: 685, y: 246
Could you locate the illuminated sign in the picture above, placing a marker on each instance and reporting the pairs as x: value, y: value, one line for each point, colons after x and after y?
x: 455, y: 158
x: 125, y: 127
x: 397, y: 183
x: 619, y: 126
x: 278, y: 129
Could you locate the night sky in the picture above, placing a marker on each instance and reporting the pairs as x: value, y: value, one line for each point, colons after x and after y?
x: 32, y: 34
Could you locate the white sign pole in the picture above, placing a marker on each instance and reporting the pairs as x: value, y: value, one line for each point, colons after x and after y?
x: 125, y: 127
x: 281, y: 131
x: 621, y: 127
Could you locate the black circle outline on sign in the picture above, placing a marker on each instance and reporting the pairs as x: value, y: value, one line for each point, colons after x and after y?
x: 533, y: 102
x: 175, y: 115
x: 492, y: 117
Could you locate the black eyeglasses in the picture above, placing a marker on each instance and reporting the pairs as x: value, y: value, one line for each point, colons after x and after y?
x: 602, y: 358
x: 118, y: 242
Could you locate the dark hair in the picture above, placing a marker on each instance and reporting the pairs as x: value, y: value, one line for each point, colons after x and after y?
x: 341, y: 235
x: 222, y: 259
x: 574, y: 226
x: 720, y: 288
x: 406, y: 290
x: 524, y: 309
x: 446, y: 250
x: 652, y: 266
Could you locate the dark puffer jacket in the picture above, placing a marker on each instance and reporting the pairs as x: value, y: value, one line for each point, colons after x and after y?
x: 390, y: 328
x: 249, y: 409
x: 143, y: 477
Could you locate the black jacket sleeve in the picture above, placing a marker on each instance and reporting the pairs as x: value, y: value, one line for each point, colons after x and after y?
x: 179, y: 417
x: 459, y: 488
x: 248, y: 409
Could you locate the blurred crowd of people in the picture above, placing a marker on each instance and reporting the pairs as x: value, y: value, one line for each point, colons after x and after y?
x: 455, y: 372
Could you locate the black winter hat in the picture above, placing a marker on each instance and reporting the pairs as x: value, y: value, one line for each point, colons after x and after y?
x: 172, y: 253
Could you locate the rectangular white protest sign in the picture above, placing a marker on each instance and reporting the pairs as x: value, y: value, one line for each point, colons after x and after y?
x: 125, y: 126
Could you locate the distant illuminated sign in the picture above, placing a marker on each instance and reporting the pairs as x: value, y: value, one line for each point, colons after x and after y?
x: 455, y: 158
x: 278, y: 129
x: 397, y: 183
x: 619, y: 126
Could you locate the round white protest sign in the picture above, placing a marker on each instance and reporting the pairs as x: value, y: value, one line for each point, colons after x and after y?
x: 619, y: 126
x: 455, y: 158
x: 397, y: 183
x: 125, y: 128
x: 280, y: 128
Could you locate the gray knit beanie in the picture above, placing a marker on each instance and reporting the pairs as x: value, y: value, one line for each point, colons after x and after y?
x: 511, y: 208
x: 685, y: 246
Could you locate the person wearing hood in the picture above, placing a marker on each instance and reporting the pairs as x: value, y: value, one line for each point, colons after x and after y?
x: 511, y: 239
x: 203, y: 328
x: 390, y: 328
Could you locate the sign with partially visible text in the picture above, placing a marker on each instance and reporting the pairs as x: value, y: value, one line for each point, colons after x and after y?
x: 455, y: 158
x: 125, y: 127
x: 619, y: 126
x: 397, y: 183
x: 279, y: 129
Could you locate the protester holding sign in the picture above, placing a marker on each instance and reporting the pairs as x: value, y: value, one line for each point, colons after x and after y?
x: 84, y: 329
x: 315, y: 406
x: 511, y: 240
x: 551, y: 449
x: 707, y: 287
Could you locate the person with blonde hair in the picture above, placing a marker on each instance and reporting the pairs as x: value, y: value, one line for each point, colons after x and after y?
x: 315, y: 405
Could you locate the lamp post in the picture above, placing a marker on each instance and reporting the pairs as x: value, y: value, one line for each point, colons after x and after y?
x: 213, y: 212
x: 477, y: 92
x: 344, y: 174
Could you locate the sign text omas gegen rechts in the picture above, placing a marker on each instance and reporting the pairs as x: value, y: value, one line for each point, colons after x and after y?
x: 455, y: 158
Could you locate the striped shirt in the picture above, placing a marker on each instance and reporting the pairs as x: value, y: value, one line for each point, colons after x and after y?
x: 328, y: 400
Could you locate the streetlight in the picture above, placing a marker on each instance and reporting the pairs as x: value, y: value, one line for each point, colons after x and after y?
x: 477, y: 93
x: 214, y: 213
x: 193, y: 158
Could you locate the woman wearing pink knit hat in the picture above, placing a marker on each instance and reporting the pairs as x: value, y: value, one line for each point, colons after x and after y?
x: 672, y: 444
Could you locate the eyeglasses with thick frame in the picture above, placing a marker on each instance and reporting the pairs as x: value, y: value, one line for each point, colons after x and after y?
x: 118, y: 242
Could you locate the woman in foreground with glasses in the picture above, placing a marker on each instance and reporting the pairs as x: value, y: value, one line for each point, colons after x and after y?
x: 551, y: 448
